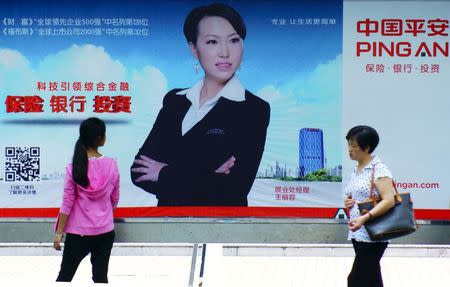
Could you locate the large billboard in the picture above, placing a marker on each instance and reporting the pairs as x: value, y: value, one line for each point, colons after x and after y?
x: 311, y: 73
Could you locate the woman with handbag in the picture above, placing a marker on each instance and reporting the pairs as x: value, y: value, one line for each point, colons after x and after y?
x: 91, y: 193
x: 362, y: 141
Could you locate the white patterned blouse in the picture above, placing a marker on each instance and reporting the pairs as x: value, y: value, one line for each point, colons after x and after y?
x: 359, y: 188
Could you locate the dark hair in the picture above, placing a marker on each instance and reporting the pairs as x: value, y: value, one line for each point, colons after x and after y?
x: 194, y: 17
x: 91, y: 131
x: 365, y: 136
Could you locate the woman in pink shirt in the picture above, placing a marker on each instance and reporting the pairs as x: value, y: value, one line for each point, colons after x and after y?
x: 91, y: 193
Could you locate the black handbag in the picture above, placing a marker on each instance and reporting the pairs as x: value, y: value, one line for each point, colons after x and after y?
x: 398, y: 221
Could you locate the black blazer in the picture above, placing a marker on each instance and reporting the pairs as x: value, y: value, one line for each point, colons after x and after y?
x: 229, y: 129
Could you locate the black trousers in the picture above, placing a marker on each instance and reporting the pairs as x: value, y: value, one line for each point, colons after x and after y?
x: 366, y: 270
x: 76, y: 247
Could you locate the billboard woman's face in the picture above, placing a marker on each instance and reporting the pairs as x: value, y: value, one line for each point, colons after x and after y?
x: 219, y: 48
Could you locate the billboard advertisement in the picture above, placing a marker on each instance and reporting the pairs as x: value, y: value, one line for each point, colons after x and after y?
x: 396, y: 66
x: 268, y: 142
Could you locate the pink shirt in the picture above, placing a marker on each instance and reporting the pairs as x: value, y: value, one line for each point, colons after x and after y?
x: 90, y: 209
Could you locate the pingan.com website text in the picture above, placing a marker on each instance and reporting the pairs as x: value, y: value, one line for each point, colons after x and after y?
x: 417, y: 185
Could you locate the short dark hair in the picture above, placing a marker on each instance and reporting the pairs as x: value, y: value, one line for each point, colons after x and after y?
x: 365, y: 136
x: 190, y: 27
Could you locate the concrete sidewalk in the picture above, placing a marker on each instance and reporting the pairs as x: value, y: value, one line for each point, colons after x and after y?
x: 255, y: 265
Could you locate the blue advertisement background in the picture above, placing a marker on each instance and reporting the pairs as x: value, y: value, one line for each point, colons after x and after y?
x: 294, y: 65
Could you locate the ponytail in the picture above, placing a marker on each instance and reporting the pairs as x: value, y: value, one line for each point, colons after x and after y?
x: 80, y: 164
x: 91, y: 131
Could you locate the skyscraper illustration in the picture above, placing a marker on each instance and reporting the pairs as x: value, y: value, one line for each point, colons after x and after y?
x: 311, y: 153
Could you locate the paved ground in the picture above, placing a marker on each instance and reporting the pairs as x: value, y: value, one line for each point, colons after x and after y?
x: 311, y: 271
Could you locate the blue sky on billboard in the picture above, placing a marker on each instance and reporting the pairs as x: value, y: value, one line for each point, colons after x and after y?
x: 296, y: 67
x: 284, y: 48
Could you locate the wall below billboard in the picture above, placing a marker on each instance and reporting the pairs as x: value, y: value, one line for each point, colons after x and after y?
x: 207, y: 230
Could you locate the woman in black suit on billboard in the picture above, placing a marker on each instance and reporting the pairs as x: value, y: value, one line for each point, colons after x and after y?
x: 207, y: 142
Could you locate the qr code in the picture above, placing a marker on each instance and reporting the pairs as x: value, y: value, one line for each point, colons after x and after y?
x: 22, y: 163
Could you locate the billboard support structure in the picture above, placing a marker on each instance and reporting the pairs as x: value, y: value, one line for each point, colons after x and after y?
x: 193, y: 263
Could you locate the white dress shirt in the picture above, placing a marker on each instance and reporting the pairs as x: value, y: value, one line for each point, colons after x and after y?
x: 233, y: 90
